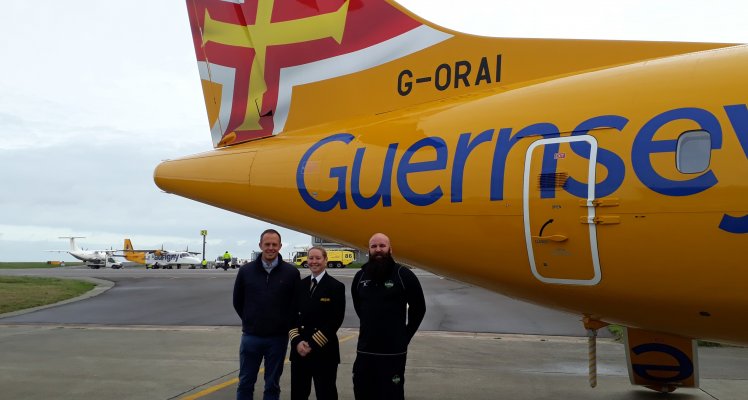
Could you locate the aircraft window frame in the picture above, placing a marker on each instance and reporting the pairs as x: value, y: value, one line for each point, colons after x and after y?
x: 693, y: 152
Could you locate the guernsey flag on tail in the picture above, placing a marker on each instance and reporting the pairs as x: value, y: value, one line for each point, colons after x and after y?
x: 256, y: 56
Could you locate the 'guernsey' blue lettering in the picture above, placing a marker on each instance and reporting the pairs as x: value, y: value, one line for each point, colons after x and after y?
x: 407, y: 167
x: 339, y: 173
x: 611, y: 161
x: 645, y: 144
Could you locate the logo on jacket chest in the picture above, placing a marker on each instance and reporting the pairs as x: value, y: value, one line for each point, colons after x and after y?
x: 389, y: 284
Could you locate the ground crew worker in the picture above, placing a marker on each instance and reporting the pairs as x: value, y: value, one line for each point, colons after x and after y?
x: 315, y: 352
x: 204, y: 264
x: 226, y: 260
x: 383, y: 293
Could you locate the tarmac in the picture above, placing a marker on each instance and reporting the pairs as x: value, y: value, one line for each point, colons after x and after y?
x: 110, y: 361
x: 148, y: 362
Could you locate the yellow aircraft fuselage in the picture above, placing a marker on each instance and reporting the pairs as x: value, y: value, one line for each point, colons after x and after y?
x: 605, y: 178
x: 491, y: 188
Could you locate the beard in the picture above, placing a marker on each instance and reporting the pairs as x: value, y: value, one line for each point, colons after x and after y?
x: 380, y: 266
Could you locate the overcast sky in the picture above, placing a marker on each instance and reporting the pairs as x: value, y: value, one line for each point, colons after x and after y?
x: 93, y: 94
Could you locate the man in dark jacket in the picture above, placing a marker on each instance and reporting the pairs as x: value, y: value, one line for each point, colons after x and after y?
x: 383, y: 293
x: 265, y: 300
x: 315, y: 352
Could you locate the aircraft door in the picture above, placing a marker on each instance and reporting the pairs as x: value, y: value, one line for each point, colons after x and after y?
x: 561, y: 241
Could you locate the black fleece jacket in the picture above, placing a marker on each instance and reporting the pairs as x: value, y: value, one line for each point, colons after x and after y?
x: 382, y: 305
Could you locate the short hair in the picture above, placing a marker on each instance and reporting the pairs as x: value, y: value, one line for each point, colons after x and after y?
x: 267, y: 231
x: 321, y: 249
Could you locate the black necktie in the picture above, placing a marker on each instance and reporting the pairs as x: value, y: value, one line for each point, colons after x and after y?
x: 314, y: 286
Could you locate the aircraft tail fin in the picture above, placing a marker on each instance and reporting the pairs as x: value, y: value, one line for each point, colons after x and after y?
x: 131, y: 254
x: 271, y: 66
x: 73, y: 245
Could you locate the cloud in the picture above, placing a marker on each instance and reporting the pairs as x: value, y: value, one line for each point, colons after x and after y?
x: 663, y: 20
x: 96, y: 94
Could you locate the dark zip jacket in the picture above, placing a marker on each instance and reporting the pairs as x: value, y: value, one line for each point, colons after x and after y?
x: 382, y: 308
x: 266, y: 302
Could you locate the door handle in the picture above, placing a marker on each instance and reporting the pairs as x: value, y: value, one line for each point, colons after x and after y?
x: 552, y: 238
x: 604, y: 202
x: 601, y: 220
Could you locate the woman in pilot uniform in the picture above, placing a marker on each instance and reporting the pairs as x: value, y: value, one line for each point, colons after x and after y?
x: 315, y: 353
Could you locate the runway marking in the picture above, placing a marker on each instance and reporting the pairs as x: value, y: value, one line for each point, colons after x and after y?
x: 214, y: 388
x: 230, y: 382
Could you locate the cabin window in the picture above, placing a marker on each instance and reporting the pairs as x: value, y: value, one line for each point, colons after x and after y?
x: 693, y: 152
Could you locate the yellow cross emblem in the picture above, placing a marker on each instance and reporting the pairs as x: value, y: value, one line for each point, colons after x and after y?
x: 265, y: 33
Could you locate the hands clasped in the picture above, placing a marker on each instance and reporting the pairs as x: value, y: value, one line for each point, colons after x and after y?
x: 303, y: 348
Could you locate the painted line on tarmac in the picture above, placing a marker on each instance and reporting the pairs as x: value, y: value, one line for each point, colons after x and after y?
x: 215, y: 388
x: 228, y: 383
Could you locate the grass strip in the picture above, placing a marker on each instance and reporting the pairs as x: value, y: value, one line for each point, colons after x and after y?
x: 26, y: 265
x: 21, y: 292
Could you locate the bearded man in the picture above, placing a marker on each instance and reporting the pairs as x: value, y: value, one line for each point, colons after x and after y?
x: 389, y: 303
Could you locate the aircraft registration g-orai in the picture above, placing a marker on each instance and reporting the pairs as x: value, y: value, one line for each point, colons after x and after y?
x: 160, y: 258
x: 607, y: 178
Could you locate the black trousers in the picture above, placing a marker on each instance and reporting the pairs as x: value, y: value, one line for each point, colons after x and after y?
x: 324, y: 375
x: 379, y: 377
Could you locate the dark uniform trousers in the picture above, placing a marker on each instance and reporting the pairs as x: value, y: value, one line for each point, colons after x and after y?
x: 324, y: 375
x: 321, y: 313
x: 383, y: 376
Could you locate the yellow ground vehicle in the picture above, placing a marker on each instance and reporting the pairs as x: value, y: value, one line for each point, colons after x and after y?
x: 335, y: 258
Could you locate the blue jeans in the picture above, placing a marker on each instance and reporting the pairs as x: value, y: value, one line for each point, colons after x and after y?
x: 251, y: 352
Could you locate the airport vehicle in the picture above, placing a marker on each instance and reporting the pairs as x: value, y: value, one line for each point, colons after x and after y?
x: 160, y: 258
x: 335, y: 258
x: 234, y: 263
x: 94, y: 259
x: 112, y: 263
x: 607, y: 178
